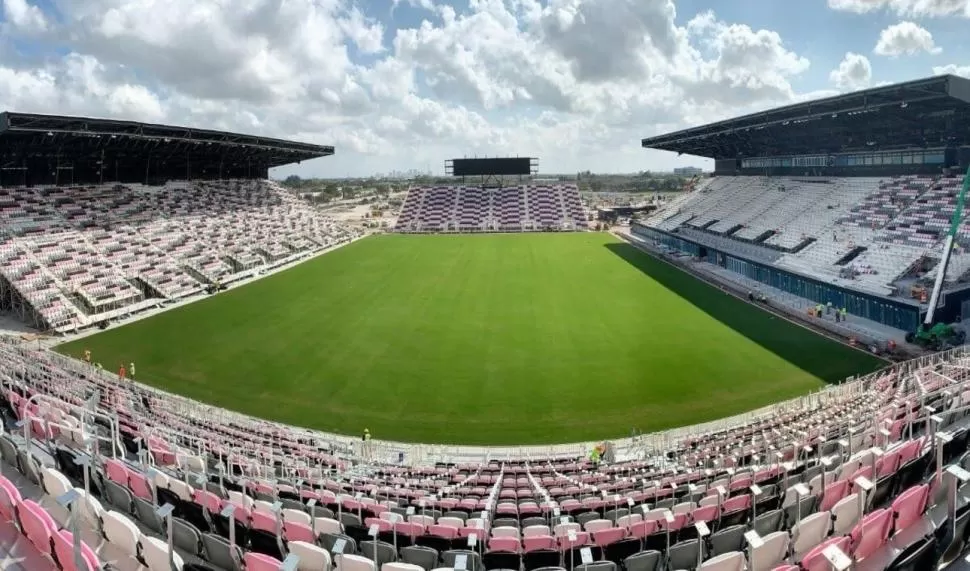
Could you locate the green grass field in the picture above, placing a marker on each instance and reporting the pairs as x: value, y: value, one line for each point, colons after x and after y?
x: 481, y: 339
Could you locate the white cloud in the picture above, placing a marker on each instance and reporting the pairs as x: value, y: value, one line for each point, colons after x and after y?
x: 24, y: 16
x: 905, y: 38
x: 952, y: 69
x: 905, y: 8
x: 854, y: 72
x: 575, y: 82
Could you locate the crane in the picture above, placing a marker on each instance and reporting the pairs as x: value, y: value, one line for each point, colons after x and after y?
x: 928, y: 334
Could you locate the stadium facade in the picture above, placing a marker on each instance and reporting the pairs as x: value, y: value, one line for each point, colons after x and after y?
x: 897, y: 152
x: 52, y: 150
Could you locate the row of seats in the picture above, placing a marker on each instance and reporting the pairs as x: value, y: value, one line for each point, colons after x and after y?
x: 78, y: 255
x: 771, y: 474
x: 475, y: 209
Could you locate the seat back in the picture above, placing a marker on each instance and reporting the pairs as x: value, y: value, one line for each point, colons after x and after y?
x: 64, y: 549
x: 55, y: 483
x: 350, y: 563
x: 908, y: 508
x: 38, y: 525
x: 833, y: 493
x: 536, y: 542
x: 597, y: 525
x: 400, y: 567
x: 510, y: 544
x: 122, y: 532
x: 9, y: 500
x: 815, y: 559
x: 727, y: 540
x: 810, y: 532
x: 261, y: 562
x: 424, y: 557
x: 312, y: 557
x: 871, y: 533
x: 536, y: 531
x: 607, y: 536
x: 846, y: 514
x: 768, y: 522
x: 771, y: 552
x: 154, y: 551
x: 683, y: 555
x: 643, y: 561
x: 221, y: 554
x: 733, y: 561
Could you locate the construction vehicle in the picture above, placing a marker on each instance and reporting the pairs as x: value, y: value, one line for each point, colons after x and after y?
x: 940, y: 335
x: 937, y: 337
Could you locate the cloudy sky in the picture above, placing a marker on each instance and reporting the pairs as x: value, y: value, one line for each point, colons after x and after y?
x: 400, y: 84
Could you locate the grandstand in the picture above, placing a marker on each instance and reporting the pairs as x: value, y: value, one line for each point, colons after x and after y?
x: 842, y: 200
x: 144, y: 479
x: 519, y: 208
x: 489, y: 205
x: 75, y: 252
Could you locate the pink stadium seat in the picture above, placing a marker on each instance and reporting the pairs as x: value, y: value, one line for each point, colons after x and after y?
x: 814, y: 560
x: 871, y: 533
x: 64, y: 550
x: 833, y: 493
x: 445, y: 531
x: 605, y: 537
x: 139, y: 485
x: 736, y: 504
x: 9, y: 500
x: 644, y: 528
x: 510, y: 544
x: 382, y: 524
x: 582, y: 538
x: 116, y: 471
x: 263, y: 521
x: 706, y: 513
x: 208, y: 500
x: 38, y: 525
x: 538, y: 542
x: 294, y: 531
x: 909, y: 506
x: 260, y: 562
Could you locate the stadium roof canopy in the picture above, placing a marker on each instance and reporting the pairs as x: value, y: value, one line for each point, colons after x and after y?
x: 32, y: 141
x: 932, y: 112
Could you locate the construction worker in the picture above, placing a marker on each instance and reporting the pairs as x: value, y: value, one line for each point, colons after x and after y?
x: 122, y: 372
x: 844, y: 314
x: 594, y: 456
x: 99, y: 366
x: 87, y: 356
x: 131, y: 370
x: 365, y: 448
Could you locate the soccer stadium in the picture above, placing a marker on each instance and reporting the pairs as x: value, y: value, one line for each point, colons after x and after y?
x: 765, y: 373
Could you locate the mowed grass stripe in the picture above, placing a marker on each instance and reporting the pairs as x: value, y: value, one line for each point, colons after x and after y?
x: 482, y: 339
